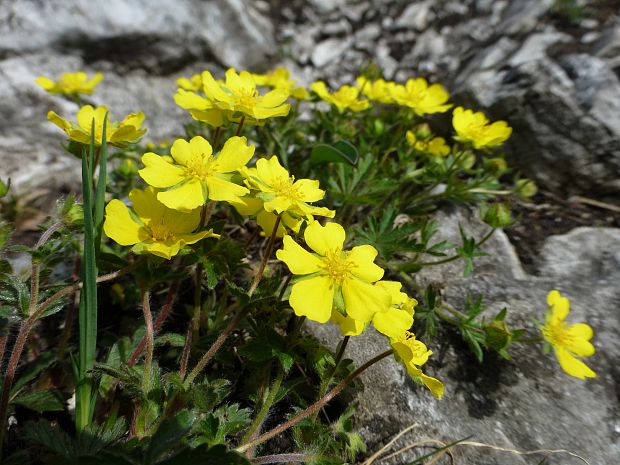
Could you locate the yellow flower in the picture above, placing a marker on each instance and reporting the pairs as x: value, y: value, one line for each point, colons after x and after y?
x: 567, y: 341
x: 70, y: 83
x: 194, y: 175
x: 413, y: 354
x: 152, y: 227
x: 239, y: 95
x: 281, y: 193
x: 378, y: 90
x: 420, y: 97
x: 280, y: 78
x: 345, y: 98
x: 117, y: 134
x: 253, y: 206
x: 436, y: 146
x: 333, y: 277
x: 194, y: 83
x: 392, y: 322
x: 474, y: 127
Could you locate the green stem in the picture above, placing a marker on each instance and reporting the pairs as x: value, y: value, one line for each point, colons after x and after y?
x: 9, y: 376
x: 264, y: 410
x: 266, y: 256
x: 328, y: 379
x: 197, y: 301
x: 150, y: 340
x: 215, y: 347
x: 241, y: 121
x: 314, y: 407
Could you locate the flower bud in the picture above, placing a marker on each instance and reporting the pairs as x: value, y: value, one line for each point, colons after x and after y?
x: 526, y: 188
x: 497, y: 215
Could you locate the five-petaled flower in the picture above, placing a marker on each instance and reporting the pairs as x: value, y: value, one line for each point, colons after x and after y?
x: 118, y: 134
x: 420, y: 97
x: 413, y: 354
x: 152, y: 227
x: 332, y: 277
x: 281, y: 193
x: 474, y: 127
x: 378, y: 91
x: 70, y: 83
x: 239, y: 96
x: 345, y: 98
x: 194, y: 175
x: 567, y: 341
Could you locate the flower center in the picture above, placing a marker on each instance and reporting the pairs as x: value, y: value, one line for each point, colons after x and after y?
x: 197, y: 168
x: 284, y: 187
x: 557, y: 334
x: 246, y: 97
x: 161, y: 233
x: 337, y: 266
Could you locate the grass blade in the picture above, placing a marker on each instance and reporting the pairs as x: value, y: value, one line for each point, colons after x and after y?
x: 88, y: 297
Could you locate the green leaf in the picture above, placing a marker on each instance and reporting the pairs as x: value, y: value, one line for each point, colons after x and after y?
x: 41, y: 401
x: 171, y: 339
x: 169, y: 434
x: 341, y: 152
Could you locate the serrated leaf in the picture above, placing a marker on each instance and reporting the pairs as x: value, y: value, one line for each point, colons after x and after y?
x: 41, y: 401
x: 169, y: 434
x: 171, y: 339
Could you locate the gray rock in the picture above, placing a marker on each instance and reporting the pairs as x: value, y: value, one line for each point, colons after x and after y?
x: 327, y: 51
x: 502, y: 402
x: 140, y: 46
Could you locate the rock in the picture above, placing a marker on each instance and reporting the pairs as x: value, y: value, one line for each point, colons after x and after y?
x: 500, y: 402
x: 140, y: 46
x: 327, y: 51
x: 416, y: 16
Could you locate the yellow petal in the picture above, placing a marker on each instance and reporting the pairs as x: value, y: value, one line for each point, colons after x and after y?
x: 433, y: 384
x: 186, y: 196
x: 348, y: 326
x: 274, y: 98
x: 200, y: 149
x: 309, y: 188
x: 363, y: 256
x: 560, y: 306
x: 161, y: 249
x: 220, y: 189
x: 181, y: 222
x: 189, y: 239
x: 46, y: 83
x: 362, y: 300
x: 298, y: 259
x: 59, y: 121
x: 120, y: 226
x: 271, y: 171
x: 212, y: 88
x: 393, y: 288
x: 393, y: 322
x: 235, y: 154
x: 313, y: 297
x: 573, y: 366
x: 267, y: 221
x: 326, y: 238
x: 146, y: 205
x: 579, y: 344
x: 159, y: 173
x: 247, y: 205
